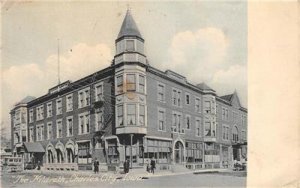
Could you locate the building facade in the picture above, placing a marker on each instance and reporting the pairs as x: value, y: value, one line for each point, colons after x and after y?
x: 130, y: 110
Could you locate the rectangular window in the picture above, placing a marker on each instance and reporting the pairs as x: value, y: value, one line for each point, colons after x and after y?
x: 120, y: 84
x: 99, y: 120
x: 177, y: 125
x: 130, y: 45
x: 39, y: 132
x: 188, y: 121
x: 207, y: 128
x: 187, y: 99
x: 141, y: 84
x: 40, y: 113
x: 225, y: 132
x: 225, y: 114
x: 70, y: 126
x: 207, y: 107
x: 80, y: 99
x: 87, y: 97
x: 198, y: 105
x: 120, y: 115
x: 198, y: 127
x: 59, y: 129
x: 31, y: 137
x: 58, y: 106
x: 130, y: 82
x: 31, y: 116
x: 81, y: 124
x: 84, y: 98
x: 131, y: 114
x: 142, y: 115
x: 87, y: 123
x: 161, y: 92
x: 176, y: 97
x: 49, y: 109
x: 99, y: 92
x: 69, y: 102
x: 161, y: 120
x: 244, y: 137
x: 49, y: 130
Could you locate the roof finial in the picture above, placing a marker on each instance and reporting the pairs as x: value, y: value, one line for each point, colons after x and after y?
x: 128, y: 7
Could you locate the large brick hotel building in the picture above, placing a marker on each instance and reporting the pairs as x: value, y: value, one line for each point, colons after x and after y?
x: 130, y: 110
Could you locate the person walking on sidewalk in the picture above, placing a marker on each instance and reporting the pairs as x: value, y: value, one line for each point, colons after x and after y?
x: 126, y: 166
x: 152, y: 163
x: 96, y: 166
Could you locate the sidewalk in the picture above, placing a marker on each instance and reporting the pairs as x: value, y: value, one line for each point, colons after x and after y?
x: 132, y: 172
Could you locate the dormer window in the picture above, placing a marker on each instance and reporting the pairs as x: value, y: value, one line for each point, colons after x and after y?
x: 130, y: 45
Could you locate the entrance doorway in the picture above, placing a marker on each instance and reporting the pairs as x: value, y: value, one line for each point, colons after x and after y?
x: 178, y: 151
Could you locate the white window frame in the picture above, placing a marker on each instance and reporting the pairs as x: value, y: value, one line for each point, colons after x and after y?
x: 40, y: 129
x: 68, y: 124
x: 134, y: 45
x: 86, y: 119
x: 178, y: 120
x: 31, y: 134
x: 198, y: 119
x: 40, y: 112
x: 120, y: 116
x: 98, y: 98
x: 86, y: 94
x: 57, y: 107
x: 57, y: 135
x: 141, y: 85
x: 48, y: 114
x: 49, y: 124
x: 189, y: 96
x: 69, y: 104
x: 177, y: 95
x: 225, y: 129
x: 139, y: 115
x: 188, y: 116
x: 97, y: 126
x: 31, y: 116
x: 159, y: 109
x: 163, y: 92
x: 198, y: 110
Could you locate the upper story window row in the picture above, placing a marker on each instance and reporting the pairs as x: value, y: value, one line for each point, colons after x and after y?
x: 177, y: 97
x: 84, y: 99
x: 130, y: 82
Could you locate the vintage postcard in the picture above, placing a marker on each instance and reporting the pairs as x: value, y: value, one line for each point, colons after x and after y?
x: 125, y: 94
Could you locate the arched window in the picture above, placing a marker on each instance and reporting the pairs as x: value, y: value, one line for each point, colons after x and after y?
x: 235, y: 134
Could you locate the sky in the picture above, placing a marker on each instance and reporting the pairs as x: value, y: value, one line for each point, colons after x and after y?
x: 204, y: 41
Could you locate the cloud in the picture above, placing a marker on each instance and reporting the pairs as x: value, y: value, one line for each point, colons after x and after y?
x: 234, y: 78
x: 202, y: 56
x: 35, y: 79
x: 204, y: 50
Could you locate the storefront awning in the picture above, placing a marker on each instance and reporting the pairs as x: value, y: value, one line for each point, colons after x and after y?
x: 33, y: 147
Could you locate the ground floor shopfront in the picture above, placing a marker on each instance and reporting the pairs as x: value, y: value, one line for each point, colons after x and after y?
x: 112, y: 151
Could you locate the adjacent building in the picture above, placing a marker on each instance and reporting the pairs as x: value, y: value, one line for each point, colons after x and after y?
x: 130, y: 110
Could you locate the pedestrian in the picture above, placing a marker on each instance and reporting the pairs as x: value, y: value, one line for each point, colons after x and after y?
x: 127, y: 166
x: 96, y: 166
x: 124, y: 166
x: 148, y: 167
x: 152, y: 164
x: 39, y: 165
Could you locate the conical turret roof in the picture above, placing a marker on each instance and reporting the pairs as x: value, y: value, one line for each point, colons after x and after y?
x: 129, y: 27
